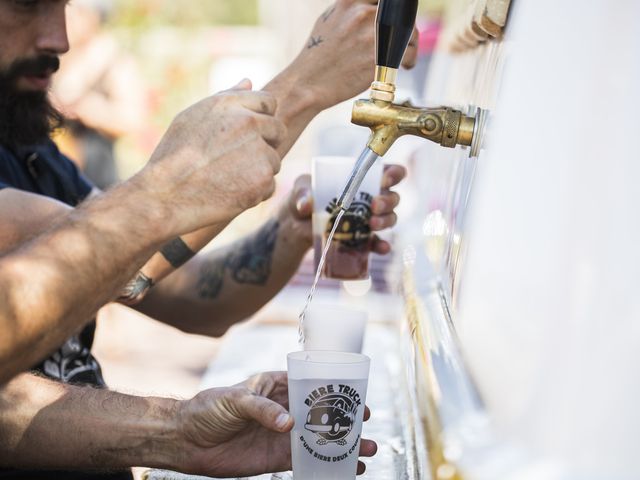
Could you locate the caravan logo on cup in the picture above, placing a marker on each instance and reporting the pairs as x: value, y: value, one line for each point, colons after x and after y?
x: 354, y: 230
x: 331, y: 418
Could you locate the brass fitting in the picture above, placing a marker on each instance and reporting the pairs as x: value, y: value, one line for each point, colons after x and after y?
x: 389, y: 121
x: 383, y: 87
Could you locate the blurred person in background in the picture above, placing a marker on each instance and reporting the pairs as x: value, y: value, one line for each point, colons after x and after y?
x: 56, y: 426
x: 99, y: 90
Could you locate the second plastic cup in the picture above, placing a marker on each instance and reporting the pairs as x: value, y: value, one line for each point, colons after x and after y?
x: 337, y: 328
x: 348, y: 257
x: 327, y: 393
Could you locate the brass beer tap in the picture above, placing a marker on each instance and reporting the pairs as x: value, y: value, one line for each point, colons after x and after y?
x: 448, y: 127
x: 389, y: 121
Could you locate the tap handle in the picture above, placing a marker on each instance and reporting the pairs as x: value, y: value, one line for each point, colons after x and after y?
x: 395, y: 22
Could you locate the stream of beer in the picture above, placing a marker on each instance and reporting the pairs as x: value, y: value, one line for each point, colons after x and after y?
x: 317, y: 277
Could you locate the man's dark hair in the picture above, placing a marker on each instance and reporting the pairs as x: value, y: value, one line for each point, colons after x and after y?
x: 27, y: 117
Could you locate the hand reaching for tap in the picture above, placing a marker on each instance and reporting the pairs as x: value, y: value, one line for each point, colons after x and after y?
x: 336, y: 64
x: 300, y: 207
x: 339, y: 56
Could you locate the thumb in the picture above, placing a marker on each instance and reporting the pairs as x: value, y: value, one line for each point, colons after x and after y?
x: 244, y: 84
x: 267, y: 413
x: 301, y: 199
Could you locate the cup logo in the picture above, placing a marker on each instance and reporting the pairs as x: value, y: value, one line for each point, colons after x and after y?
x: 331, y: 418
x: 332, y: 413
x: 354, y: 230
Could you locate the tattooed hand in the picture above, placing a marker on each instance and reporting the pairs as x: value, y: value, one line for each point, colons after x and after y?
x: 338, y: 60
x: 300, y: 207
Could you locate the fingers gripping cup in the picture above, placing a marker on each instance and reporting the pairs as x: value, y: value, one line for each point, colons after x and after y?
x: 327, y: 392
x: 348, y: 256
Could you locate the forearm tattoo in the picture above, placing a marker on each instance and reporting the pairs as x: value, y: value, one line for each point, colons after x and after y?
x: 250, y: 263
x: 136, y: 289
x: 177, y: 253
x: 211, y: 278
x: 314, y: 42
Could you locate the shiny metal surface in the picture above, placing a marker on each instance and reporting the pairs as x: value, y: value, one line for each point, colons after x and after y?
x: 388, y: 122
x: 448, y: 400
x: 478, y: 132
x: 384, y: 86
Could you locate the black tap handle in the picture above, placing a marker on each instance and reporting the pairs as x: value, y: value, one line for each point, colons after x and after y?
x: 395, y: 22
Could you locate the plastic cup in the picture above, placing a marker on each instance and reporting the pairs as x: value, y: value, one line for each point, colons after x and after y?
x: 348, y: 257
x: 327, y: 393
x: 335, y: 328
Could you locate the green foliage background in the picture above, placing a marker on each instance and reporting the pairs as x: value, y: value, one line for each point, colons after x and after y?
x: 184, y: 13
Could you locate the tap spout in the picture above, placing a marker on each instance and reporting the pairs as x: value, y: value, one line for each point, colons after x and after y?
x: 388, y: 122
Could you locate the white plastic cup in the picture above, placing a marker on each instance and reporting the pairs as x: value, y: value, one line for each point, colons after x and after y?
x: 348, y: 258
x: 327, y: 393
x: 334, y: 327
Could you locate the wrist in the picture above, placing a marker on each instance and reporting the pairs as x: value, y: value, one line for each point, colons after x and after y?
x: 129, y: 208
x: 159, y: 436
x: 152, y: 205
x: 298, y: 101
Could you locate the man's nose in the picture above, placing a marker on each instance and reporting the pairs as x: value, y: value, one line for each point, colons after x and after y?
x: 52, y: 34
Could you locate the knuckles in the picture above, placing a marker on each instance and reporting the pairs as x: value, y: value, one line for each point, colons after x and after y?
x: 358, y: 17
x: 274, y: 160
x: 240, y: 391
x: 268, y: 103
x: 282, y: 131
x: 247, y: 122
x: 260, y: 185
x: 363, y: 14
x: 224, y: 98
x: 265, y: 182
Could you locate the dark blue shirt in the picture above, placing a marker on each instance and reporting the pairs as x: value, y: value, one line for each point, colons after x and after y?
x: 45, y: 171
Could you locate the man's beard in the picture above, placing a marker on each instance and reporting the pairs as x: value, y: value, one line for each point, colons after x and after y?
x: 26, y: 117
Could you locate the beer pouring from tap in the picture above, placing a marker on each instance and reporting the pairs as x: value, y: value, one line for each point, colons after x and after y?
x: 388, y: 122
x: 394, y: 25
x: 365, y: 161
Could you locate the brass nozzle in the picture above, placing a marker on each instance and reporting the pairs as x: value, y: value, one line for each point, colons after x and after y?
x: 389, y: 121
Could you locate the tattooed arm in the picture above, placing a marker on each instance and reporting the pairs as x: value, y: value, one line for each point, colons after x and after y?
x: 214, y: 291
x: 169, y: 258
x: 335, y: 64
